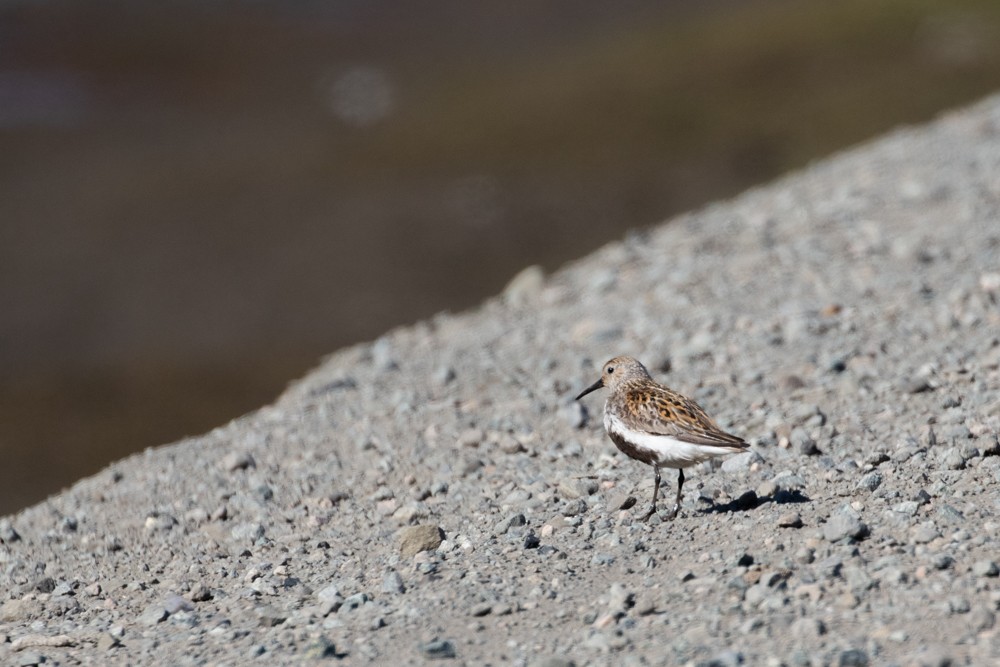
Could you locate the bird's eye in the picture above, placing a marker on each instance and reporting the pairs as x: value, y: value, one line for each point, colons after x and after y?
x: 611, y: 369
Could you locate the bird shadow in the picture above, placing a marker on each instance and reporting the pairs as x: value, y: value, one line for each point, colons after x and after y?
x: 750, y: 501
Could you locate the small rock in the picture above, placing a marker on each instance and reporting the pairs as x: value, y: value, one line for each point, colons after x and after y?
x: 924, y: 533
x: 573, y: 414
x: 950, y: 515
x: 7, y: 533
x: 915, y: 385
x: 444, y: 375
x: 106, y: 642
x: 990, y: 282
x: 13, y: 610
x: 942, y: 562
x: 767, y: 489
x: 155, y: 613
x: 321, y: 648
x: 807, y: 628
x: 247, y: 532
x: 236, y: 461
x: 420, y: 538
x: 985, y: 568
x: 574, y: 507
x: 200, y: 593
x: 645, y: 604
x: 571, y: 489
x: 724, y: 659
x: 741, y: 462
x: 508, y: 444
x: 383, y: 355
x: 175, y: 603
x: 30, y: 659
x: 513, y: 521
x: 876, y: 458
x: 481, y: 609
x: 269, y: 617
x: 354, y: 602
x: 551, y: 662
x: 525, y: 286
x: 959, y: 605
x: 870, y: 481
x: 853, y: 657
x: 393, y: 583
x: 953, y: 459
x: 982, y: 619
x: 804, y: 443
x: 790, y: 520
x: 844, y: 524
x: 531, y: 541
x: 472, y: 437
x: 438, y: 649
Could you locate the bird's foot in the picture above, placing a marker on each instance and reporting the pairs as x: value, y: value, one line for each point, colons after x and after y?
x: 647, y: 515
x: 674, y: 512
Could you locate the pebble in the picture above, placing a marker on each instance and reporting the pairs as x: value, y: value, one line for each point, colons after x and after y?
x: 959, y: 605
x: 8, y: 535
x: 106, y: 642
x: 392, y: 583
x: 982, y: 619
x: 870, y: 481
x: 985, y: 568
x: 525, y: 286
x: 551, y: 661
x: 844, y: 524
x: 574, y: 507
x: 354, y: 602
x: 915, y: 385
x: 853, y: 657
x: 269, y: 617
x: 512, y: 521
x: 438, y: 649
x: 573, y: 414
x: 790, y: 520
x: 155, y: 613
x: 247, y: 532
x: 200, y: 593
x: 924, y: 533
x: 30, y: 658
x: 804, y: 443
x: 320, y: 648
x: 420, y: 538
x: 236, y: 461
x: 175, y: 604
x: 741, y: 463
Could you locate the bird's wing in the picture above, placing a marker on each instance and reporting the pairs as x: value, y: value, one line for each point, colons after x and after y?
x: 665, y: 412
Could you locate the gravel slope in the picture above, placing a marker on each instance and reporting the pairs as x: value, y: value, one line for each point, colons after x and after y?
x: 845, y: 320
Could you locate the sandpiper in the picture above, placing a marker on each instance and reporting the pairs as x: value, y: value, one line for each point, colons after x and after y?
x: 658, y: 426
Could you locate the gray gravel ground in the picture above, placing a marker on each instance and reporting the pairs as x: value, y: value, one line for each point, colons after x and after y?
x: 437, y: 495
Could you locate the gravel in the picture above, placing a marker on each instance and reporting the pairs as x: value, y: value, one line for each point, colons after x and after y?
x: 437, y: 494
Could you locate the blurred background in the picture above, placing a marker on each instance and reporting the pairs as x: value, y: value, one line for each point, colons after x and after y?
x: 200, y: 199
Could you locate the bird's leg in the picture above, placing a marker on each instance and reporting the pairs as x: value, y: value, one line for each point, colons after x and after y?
x: 680, y: 485
x: 656, y: 490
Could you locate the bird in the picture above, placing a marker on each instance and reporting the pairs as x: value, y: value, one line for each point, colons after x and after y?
x: 656, y: 425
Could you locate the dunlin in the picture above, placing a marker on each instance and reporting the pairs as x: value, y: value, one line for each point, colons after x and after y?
x: 658, y: 426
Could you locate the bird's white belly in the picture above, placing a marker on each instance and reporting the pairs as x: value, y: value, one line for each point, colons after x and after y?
x: 666, y: 451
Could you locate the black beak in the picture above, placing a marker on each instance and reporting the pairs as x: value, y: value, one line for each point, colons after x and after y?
x: 596, y: 385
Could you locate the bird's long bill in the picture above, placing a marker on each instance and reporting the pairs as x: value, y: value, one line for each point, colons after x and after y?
x: 596, y: 385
